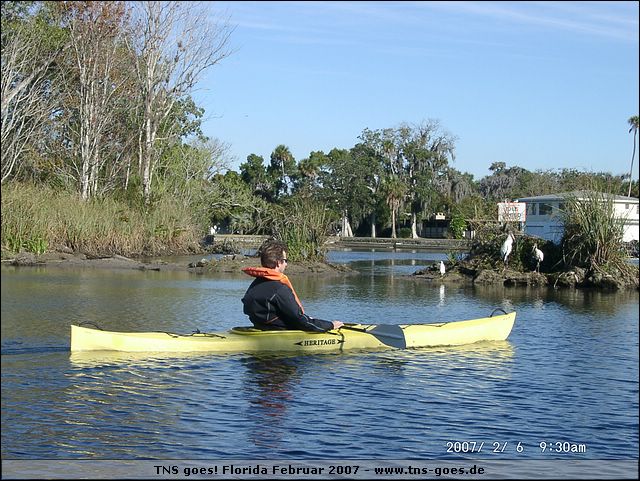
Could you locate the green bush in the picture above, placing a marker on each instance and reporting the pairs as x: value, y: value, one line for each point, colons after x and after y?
x: 404, y: 233
x: 457, y: 225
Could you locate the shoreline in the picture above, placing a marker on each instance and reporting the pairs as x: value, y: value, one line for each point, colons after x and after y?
x: 233, y: 263
x: 577, y: 278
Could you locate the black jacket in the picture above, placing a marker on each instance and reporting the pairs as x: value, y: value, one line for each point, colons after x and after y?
x: 271, y: 305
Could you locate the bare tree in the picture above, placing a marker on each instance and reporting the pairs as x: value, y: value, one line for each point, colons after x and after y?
x: 200, y: 162
x: 96, y: 33
x: 26, y: 103
x: 174, y: 43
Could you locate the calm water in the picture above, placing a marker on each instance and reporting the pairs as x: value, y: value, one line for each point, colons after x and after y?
x: 568, y: 373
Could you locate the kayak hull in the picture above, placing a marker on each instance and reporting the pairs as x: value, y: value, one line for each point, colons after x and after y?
x: 352, y: 336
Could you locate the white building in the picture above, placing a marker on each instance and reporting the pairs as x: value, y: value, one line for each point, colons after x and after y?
x: 544, y: 214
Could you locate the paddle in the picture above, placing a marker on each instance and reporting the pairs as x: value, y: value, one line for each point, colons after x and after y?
x: 388, y: 334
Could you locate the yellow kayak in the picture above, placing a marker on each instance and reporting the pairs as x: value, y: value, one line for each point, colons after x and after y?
x: 351, y: 336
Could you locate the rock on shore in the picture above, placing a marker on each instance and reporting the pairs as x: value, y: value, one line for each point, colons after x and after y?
x: 577, y: 277
x: 235, y: 262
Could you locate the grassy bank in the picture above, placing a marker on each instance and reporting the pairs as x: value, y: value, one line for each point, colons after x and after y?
x: 40, y: 219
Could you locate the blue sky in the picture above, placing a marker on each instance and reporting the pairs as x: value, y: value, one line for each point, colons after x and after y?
x: 540, y: 85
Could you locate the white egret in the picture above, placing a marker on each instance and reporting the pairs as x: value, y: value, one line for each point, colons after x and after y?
x: 442, y: 269
x: 538, y: 255
x: 507, y: 247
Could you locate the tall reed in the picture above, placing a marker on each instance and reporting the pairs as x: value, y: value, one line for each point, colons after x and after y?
x: 593, y: 233
x: 303, y: 225
x: 37, y: 219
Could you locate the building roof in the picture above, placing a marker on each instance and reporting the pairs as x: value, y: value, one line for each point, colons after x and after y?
x: 579, y: 194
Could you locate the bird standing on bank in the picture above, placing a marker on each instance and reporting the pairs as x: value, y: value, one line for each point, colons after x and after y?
x: 507, y: 247
x: 442, y: 269
x: 538, y: 256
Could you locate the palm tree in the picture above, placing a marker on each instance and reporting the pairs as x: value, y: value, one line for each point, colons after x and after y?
x: 282, y: 160
x: 394, y: 192
x: 633, y: 122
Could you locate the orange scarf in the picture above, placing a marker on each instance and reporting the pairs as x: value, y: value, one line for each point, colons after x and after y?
x: 272, y: 275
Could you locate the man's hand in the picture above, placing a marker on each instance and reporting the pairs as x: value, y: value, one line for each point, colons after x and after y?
x: 337, y: 324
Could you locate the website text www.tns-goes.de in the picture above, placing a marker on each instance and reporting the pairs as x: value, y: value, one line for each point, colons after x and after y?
x: 438, y: 471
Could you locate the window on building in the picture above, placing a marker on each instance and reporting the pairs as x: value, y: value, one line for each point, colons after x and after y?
x: 532, y: 209
x: 545, y: 209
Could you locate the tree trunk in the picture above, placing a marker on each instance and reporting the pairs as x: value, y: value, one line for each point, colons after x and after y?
x: 85, y: 152
x: 631, y: 169
x: 346, y: 226
x: 393, y: 223
x: 147, y: 159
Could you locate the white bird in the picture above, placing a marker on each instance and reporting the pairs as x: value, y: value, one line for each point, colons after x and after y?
x: 442, y: 269
x: 506, y: 248
x: 538, y: 255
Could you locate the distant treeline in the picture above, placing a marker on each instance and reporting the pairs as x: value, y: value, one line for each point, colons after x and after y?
x: 100, y: 129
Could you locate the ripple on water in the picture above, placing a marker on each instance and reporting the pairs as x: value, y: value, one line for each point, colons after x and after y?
x: 568, y: 372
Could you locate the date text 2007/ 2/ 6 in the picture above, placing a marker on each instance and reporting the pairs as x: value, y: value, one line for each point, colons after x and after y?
x: 478, y: 447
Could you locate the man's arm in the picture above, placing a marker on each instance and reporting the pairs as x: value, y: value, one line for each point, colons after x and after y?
x: 292, y: 315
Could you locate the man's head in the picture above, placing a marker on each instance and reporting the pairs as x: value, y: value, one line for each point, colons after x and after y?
x: 273, y: 254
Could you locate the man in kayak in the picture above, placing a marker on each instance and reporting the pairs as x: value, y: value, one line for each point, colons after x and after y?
x: 271, y: 302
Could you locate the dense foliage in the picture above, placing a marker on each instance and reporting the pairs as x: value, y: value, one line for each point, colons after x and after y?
x: 102, y: 147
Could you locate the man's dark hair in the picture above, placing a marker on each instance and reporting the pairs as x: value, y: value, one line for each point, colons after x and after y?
x: 271, y: 252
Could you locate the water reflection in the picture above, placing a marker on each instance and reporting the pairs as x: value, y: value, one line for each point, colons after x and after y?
x: 389, y: 263
x: 268, y: 386
x: 148, y: 360
x: 110, y: 398
x: 442, y: 295
x: 488, y: 360
x: 580, y: 300
x: 154, y: 405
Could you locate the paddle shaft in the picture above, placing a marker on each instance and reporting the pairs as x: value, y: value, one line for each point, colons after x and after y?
x: 383, y: 334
